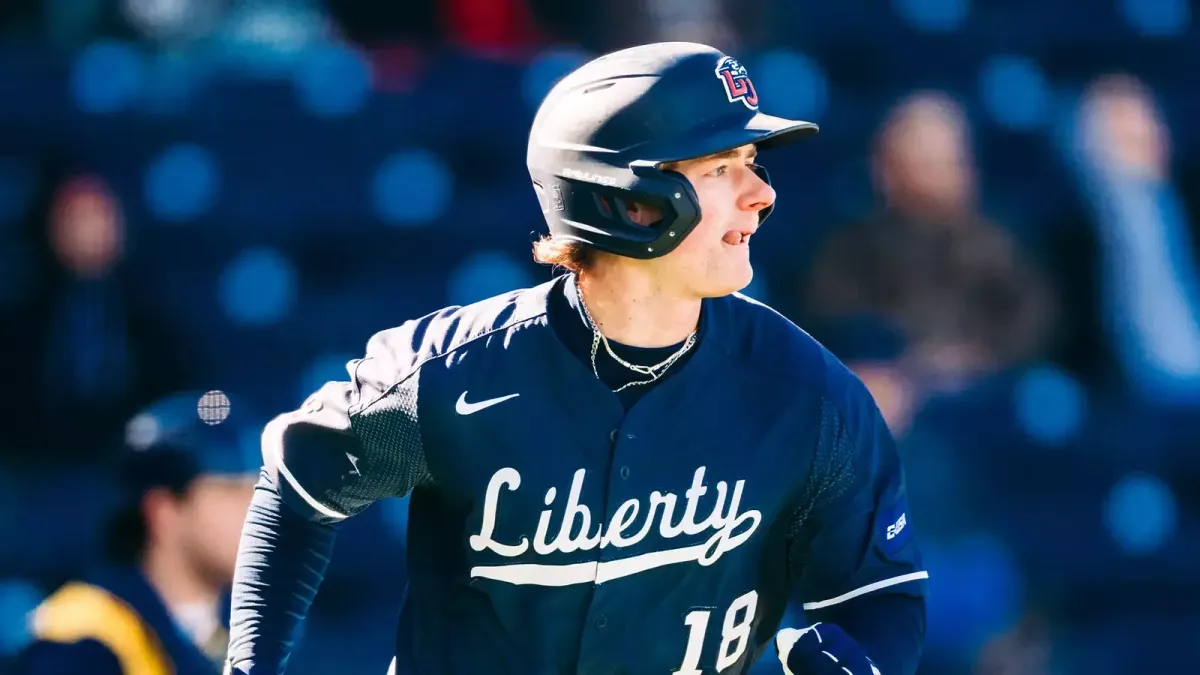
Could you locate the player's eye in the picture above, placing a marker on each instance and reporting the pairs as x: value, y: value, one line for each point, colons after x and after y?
x: 719, y: 171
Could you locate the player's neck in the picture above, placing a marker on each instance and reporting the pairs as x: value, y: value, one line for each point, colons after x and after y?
x: 636, y: 309
x: 178, y: 583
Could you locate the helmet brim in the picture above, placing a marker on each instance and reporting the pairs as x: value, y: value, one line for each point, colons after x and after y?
x: 767, y: 132
x: 775, y: 132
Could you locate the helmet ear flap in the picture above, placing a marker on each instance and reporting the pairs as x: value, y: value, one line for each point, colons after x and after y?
x: 765, y: 176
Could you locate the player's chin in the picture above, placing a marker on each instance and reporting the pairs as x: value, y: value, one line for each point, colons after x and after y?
x: 731, y: 279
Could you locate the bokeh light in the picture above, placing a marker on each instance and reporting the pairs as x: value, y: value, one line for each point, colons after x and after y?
x: 1051, y: 406
x: 797, y: 84
x: 107, y: 77
x: 1141, y: 513
x: 933, y: 16
x: 1014, y: 92
x: 182, y: 183
x: 546, y: 69
x: 266, y: 40
x: 333, y: 81
x: 413, y: 188
x: 1157, y: 18
x: 258, y: 287
x: 485, y: 274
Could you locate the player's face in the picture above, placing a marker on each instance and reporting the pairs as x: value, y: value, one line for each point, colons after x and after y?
x: 714, y: 260
x: 212, y: 517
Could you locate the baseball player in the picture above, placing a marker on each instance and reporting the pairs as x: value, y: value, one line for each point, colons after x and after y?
x: 628, y: 469
x: 154, y: 605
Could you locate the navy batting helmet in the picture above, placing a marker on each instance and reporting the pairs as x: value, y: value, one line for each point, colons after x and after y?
x: 603, y: 131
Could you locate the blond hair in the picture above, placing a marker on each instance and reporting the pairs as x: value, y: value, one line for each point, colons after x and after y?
x: 570, y: 255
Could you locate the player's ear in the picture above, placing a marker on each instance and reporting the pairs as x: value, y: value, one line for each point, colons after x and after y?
x: 160, y: 509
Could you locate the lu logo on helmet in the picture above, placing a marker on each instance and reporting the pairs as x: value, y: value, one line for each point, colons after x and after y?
x: 738, y: 86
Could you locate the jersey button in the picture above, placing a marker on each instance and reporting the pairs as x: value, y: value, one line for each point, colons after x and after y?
x: 625, y: 472
x: 601, y: 621
x: 612, y: 435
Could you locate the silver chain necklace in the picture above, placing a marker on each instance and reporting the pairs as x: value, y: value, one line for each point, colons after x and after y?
x: 654, y: 372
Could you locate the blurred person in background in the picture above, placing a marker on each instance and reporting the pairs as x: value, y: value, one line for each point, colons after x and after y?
x: 1140, y: 249
x: 92, y: 352
x: 155, y: 608
x: 1025, y: 649
x: 948, y: 289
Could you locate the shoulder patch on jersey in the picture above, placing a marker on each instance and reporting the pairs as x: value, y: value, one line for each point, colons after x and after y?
x: 894, y: 528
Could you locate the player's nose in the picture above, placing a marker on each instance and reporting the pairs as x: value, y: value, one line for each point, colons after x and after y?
x: 757, y: 195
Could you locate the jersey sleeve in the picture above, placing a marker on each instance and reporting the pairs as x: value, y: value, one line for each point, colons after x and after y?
x: 350, y: 444
x: 852, y: 535
x: 356, y: 441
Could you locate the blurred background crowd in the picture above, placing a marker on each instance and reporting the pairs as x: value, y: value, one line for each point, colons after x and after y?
x: 996, y: 227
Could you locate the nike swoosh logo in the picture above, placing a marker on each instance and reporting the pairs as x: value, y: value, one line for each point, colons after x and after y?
x: 464, y: 408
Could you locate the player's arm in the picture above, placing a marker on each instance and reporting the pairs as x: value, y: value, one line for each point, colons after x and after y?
x: 853, y: 558
x: 352, y: 443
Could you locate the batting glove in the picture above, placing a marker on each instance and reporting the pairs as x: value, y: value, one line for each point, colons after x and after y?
x: 821, y: 649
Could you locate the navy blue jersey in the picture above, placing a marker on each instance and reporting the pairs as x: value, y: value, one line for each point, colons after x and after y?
x: 553, y: 531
